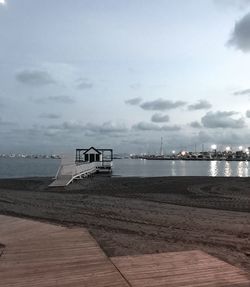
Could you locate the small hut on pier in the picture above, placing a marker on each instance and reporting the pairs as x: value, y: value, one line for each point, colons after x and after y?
x: 102, y: 157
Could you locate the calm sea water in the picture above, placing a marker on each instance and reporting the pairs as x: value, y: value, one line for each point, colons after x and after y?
x: 137, y: 167
x: 11, y: 167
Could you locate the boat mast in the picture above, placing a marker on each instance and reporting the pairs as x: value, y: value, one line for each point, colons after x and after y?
x: 161, y: 150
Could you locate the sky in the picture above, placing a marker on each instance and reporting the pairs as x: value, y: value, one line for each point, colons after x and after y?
x: 123, y: 74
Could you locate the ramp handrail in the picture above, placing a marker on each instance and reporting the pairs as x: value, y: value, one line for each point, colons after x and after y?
x: 75, y: 169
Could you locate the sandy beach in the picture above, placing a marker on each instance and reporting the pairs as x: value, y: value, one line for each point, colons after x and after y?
x: 130, y: 216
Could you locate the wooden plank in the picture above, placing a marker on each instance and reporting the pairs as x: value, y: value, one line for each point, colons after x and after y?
x: 188, y: 268
x: 39, y: 254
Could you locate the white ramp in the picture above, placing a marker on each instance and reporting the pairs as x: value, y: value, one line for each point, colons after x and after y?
x: 68, y: 172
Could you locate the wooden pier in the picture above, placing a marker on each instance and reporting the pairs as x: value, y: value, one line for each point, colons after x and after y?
x: 68, y: 172
x: 45, y: 255
x: 86, y: 162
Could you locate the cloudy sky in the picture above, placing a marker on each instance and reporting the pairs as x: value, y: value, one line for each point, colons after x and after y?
x: 123, y: 74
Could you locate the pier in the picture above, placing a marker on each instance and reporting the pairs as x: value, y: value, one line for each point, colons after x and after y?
x: 87, y: 162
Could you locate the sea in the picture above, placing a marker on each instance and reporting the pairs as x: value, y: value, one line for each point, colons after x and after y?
x: 31, y: 167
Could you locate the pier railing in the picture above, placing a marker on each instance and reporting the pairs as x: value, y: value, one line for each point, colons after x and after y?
x: 76, y: 170
x: 67, y: 172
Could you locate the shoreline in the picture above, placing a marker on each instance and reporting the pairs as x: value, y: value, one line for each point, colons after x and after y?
x: 139, y: 215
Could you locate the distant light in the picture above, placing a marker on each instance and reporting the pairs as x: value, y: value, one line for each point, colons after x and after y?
x: 2, y: 2
x: 246, y: 150
x: 173, y: 151
x: 183, y: 153
x: 228, y: 148
x: 240, y: 147
x: 214, y: 146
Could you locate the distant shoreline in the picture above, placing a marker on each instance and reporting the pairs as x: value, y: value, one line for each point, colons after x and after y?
x: 192, y: 159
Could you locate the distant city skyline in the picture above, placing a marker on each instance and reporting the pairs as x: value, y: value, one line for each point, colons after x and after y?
x: 123, y: 74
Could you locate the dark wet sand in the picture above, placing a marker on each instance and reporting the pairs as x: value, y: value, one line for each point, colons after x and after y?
x: 144, y: 215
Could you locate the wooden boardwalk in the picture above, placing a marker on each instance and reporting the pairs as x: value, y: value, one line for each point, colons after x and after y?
x: 38, y: 254
x: 175, y: 269
x: 44, y: 255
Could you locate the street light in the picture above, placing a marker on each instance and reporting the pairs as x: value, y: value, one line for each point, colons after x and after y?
x: 173, y: 151
x: 213, y: 146
x: 228, y: 148
x: 240, y: 147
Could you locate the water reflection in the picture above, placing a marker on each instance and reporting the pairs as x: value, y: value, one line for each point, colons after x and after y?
x: 131, y: 167
x: 173, y: 169
x: 183, y: 169
x: 228, y: 170
x: 240, y: 169
x: 213, y: 168
x: 246, y: 169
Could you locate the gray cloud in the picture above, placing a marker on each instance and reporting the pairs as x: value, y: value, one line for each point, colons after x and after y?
x: 71, y: 126
x: 106, y: 128
x: 242, y: 92
x: 159, y: 118
x: 134, y: 101
x: 161, y: 105
x: 89, y: 128
x: 248, y: 113
x: 35, y: 77
x: 83, y: 84
x: 171, y: 128
x: 195, y: 125
x: 144, y: 126
x: 49, y: 116
x: 240, y: 37
x: 200, y: 105
x: 222, y: 120
x: 61, y: 99
x: 4, y: 123
x: 1, y: 121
